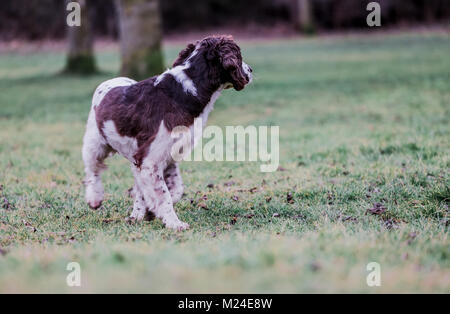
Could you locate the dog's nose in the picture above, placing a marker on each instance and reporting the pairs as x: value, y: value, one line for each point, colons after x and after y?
x: 250, y: 69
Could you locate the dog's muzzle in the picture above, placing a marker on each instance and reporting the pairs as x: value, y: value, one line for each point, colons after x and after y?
x: 248, y: 71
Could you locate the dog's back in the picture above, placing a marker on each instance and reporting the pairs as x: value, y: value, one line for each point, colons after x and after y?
x: 106, y: 86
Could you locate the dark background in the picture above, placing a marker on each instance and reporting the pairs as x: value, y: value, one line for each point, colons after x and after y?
x: 45, y: 19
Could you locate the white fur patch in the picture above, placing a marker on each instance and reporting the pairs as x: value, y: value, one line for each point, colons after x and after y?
x: 180, y: 76
x: 247, y: 71
x: 106, y: 86
x: 160, y: 147
x: 126, y: 146
x: 195, y: 129
x: 210, y: 106
x: 92, y: 137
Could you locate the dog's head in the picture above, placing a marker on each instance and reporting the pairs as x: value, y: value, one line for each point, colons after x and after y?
x: 218, y: 57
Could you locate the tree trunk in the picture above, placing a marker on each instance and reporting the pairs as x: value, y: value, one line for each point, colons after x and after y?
x: 302, y: 14
x: 140, y: 38
x: 80, y: 59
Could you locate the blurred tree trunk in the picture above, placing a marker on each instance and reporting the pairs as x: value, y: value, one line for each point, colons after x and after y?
x: 80, y: 59
x: 302, y: 15
x: 140, y: 38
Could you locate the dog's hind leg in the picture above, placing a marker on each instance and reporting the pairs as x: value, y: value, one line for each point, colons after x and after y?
x: 95, y: 150
x: 174, y: 182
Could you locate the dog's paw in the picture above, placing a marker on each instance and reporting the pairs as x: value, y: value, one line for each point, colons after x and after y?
x: 94, y: 204
x: 94, y: 196
x: 137, y: 215
x: 177, y: 225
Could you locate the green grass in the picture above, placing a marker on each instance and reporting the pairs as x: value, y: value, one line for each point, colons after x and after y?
x: 362, y: 121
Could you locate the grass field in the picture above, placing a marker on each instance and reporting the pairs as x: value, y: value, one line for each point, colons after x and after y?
x: 364, y: 125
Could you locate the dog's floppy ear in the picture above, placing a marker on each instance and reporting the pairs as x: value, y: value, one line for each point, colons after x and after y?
x: 229, y: 56
x: 184, y: 54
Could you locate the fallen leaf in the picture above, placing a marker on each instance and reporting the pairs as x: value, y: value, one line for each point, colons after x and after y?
x: 6, y: 204
x: 330, y: 198
x: 203, y: 205
x: 289, y: 197
x: 390, y: 224
x: 29, y: 226
x: 253, y: 190
x: 377, y: 209
x: 349, y: 218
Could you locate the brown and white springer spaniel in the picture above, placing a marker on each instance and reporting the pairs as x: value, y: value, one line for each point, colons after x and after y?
x: 135, y: 119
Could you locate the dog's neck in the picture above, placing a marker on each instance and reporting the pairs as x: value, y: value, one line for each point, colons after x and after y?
x: 207, y: 94
x: 194, y: 90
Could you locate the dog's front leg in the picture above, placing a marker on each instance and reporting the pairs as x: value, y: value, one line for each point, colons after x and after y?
x: 150, y: 181
x: 141, y: 211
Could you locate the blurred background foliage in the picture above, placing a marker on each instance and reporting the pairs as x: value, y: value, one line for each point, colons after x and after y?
x: 44, y: 19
